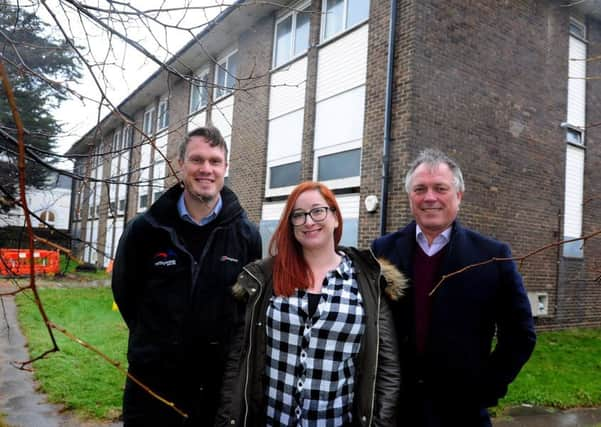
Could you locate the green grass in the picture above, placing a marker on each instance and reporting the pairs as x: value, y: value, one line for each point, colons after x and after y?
x: 87, y: 275
x: 68, y: 266
x: 75, y: 376
x: 564, y: 372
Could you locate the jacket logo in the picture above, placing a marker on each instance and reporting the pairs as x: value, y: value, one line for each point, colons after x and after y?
x: 225, y: 258
x: 165, y: 258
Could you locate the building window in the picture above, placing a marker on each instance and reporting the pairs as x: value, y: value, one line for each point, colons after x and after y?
x: 147, y: 126
x: 575, y: 122
x: 341, y: 15
x: 345, y: 164
x: 127, y: 137
x: 284, y: 175
x: 199, y: 94
x: 116, y: 142
x: 225, y: 74
x: 577, y: 29
x: 337, y: 149
x: 143, y: 201
x: 574, y: 136
x: 158, y: 181
x: 163, y: 118
x: 47, y: 217
x: 121, y: 205
x: 291, y: 35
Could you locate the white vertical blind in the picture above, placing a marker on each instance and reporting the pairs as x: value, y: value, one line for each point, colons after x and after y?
x: 572, y: 225
x: 287, y: 92
x: 339, y: 119
x: 577, y: 82
x: 342, y: 64
x: 285, y: 136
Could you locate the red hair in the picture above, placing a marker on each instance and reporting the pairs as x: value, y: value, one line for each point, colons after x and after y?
x: 290, y: 270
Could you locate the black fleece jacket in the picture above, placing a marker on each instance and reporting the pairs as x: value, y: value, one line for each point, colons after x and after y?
x: 175, y: 302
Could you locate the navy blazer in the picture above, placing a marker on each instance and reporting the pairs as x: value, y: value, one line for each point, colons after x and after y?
x: 460, y: 362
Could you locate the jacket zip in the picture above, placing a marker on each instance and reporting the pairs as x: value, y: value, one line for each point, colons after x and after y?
x: 201, y: 259
x: 375, y: 372
x: 250, y: 336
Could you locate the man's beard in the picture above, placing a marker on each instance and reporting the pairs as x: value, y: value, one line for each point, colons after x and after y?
x: 203, y: 199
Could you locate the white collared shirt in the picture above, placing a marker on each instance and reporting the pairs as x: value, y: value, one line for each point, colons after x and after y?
x: 438, y: 243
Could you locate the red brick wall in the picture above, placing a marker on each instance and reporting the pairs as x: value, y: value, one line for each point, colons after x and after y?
x: 249, y: 132
x: 486, y: 83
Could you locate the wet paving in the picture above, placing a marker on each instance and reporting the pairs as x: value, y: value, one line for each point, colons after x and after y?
x: 526, y: 416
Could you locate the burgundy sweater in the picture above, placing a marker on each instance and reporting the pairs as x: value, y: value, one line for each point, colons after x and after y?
x: 425, y: 276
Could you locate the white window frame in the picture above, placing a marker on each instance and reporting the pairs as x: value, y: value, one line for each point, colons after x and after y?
x: 140, y: 207
x: 291, y: 56
x: 148, y: 122
x: 117, y: 141
x: 353, y: 181
x: 279, y: 191
x: 576, y: 131
x: 581, y: 26
x: 224, y: 64
x: 575, y: 150
x: 159, y: 170
x: 127, y: 137
x: 201, y: 76
x: 163, y: 115
x: 343, y: 28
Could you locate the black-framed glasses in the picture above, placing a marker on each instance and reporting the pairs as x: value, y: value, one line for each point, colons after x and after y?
x: 317, y: 214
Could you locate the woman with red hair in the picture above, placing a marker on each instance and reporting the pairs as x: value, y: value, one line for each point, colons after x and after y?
x: 316, y: 345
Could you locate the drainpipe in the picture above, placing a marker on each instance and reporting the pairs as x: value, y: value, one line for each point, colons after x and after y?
x: 388, y: 116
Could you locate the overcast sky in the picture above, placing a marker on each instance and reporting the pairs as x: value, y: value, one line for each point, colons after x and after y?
x: 125, y: 68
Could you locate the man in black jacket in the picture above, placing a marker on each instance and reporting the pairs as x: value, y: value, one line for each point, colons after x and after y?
x: 451, y: 371
x: 172, y: 279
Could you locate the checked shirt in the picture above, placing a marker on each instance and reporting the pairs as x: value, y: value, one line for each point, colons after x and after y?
x: 310, y: 366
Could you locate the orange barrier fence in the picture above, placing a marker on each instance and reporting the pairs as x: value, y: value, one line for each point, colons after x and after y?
x: 15, y: 262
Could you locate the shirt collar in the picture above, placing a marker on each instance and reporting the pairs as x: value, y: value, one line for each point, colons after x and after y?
x: 185, y: 215
x: 442, y: 239
x: 344, y: 269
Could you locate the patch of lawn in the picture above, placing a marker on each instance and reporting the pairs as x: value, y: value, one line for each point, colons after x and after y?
x: 77, y: 377
x: 66, y: 265
x: 69, y: 266
x: 91, y: 275
x: 564, y: 371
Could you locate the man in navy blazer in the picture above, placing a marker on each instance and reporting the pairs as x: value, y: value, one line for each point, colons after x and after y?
x: 452, y: 371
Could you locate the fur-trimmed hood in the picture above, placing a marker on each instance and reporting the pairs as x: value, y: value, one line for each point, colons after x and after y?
x: 395, y: 288
x: 396, y: 282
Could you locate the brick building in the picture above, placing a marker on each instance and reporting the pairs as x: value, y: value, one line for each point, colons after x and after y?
x: 300, y: 92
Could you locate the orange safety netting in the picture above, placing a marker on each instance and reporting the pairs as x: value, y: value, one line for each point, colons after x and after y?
x: 15, y: 262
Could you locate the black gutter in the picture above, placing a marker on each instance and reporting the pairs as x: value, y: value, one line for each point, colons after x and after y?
x: 388, y: 117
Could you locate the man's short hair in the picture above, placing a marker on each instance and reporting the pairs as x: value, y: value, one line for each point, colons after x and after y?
x: 433, y: 158
x: 210, y: 133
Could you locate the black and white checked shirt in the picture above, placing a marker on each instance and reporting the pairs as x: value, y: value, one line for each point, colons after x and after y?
x: 310, y: 366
